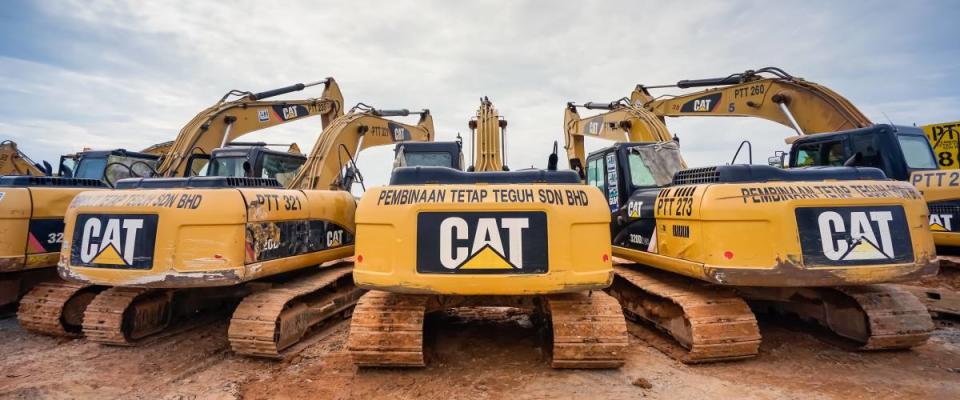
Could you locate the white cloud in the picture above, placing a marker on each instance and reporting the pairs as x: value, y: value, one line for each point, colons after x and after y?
x: 155, y: 64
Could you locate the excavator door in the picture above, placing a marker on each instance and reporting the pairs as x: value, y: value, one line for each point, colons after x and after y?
x: 631, y: 175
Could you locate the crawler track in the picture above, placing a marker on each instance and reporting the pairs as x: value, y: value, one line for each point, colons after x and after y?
x: 588, y: 331
x: 712, y: 323
x: 269, y: 322
x: 387, y: 330
x: 122, y: 315
x: 896, y: 318
x: 56, y: 309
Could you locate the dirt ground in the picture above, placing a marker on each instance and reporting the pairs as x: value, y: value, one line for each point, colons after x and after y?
x: 500, y: 356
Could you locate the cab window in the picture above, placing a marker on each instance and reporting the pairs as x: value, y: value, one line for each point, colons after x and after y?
x: 916, y: 150
x: 868, y: 148
x: 595, y: 173
x: 821, y: 154
x: 226, y: 166
x: 90, y: 168
x: 428, y: 159
x: 281, y: 168
x: 640, y: 175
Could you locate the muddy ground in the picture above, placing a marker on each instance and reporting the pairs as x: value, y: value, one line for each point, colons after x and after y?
x: 500, y: 356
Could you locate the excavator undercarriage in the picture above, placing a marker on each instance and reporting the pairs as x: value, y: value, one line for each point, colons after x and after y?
x: 587, y: 328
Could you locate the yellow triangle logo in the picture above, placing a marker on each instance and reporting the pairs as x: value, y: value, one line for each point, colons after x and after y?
x: 109, y: 256
x: 864, y: 251
x: 937, y: 228
x: 486, y: 258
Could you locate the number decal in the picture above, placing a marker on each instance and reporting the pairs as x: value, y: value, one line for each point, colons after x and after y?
x: 945, y: 158
x: 56, y: 237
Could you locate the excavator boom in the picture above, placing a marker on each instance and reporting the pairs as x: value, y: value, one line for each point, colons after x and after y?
x: 226, y: 121
x: 622, y: 121
x: 489, y: 132
x: 14, y: 162
x: 801, y: 105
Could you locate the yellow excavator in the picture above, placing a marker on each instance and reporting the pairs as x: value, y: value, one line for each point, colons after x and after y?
x: 812, y: 110
x: 57, y: 307
x: 702, y: 240
x: 438, y: 238
x: 32, y: 208
x: 168, y: 247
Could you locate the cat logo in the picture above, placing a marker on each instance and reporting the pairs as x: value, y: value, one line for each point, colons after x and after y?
x: 633, y: 208
x: 594, y: 127
x: 115, y: 241
x: 854, y: 235
x: 398, y: 133
x: 335, y: 238
x: 289, y: 112
x: 941, y: 222
x: 286, y: 113
x: 702, y: 104
x: 482, y: 242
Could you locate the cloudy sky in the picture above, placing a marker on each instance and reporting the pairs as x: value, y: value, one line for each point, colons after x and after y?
x: 104, y: 74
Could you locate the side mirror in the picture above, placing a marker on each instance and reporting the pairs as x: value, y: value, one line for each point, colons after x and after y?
x: 775, y: 161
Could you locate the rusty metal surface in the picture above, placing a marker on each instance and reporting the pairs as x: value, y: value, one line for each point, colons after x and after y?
x: 939, y: 301
x: 387, y: 330
x: 897, y: 319
x: 589, y: 330
x: 711, y: 322
x: 789, y: 273
x: 268, y: 322
x: 11, y: 264
x: 164, y: 280
x: 113, y: 316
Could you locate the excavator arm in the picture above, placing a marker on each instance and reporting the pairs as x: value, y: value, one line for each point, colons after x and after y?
x: 622, y: 122
x: 226, y: 121
x: 14, y: 162
x: 489, y: 130
x: 347, y: 135
x: 801, y: 105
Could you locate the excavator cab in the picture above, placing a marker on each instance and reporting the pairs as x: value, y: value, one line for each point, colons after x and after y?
x: 429, y: 154
x: 631, y: 175
x: 896, y: 150
x: 254, y: 160
x: 110, y: 166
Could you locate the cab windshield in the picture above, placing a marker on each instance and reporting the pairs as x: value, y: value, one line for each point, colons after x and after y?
x: 90, y: 168
x: 226, y: 166
x: 427, y: 159
x: 281, y: 168
x: 916, y: 150
x: 112, y: 168
x: 654, y: 164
